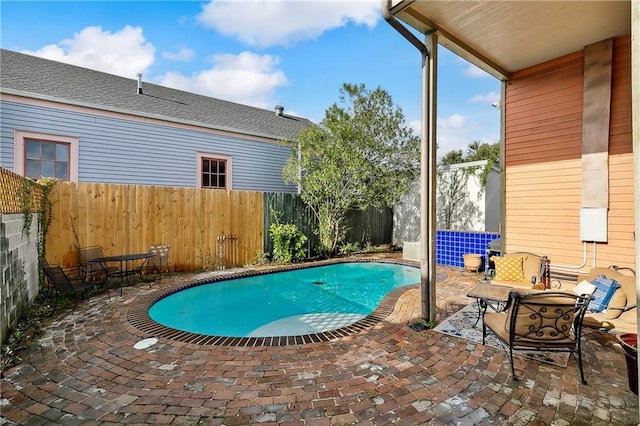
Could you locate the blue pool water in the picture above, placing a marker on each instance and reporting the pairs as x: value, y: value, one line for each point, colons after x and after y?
x: 301, y: 301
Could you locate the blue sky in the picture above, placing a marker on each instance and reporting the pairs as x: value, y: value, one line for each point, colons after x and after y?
x: 295, y: 53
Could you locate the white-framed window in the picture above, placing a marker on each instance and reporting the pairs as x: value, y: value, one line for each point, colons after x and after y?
x: 38, y: 155
x: 213, y: 171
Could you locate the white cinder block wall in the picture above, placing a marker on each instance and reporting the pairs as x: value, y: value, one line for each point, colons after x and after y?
x: 19, y: 269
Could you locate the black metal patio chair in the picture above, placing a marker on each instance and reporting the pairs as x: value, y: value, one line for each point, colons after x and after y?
x: 71, y: 281
x: 95, y: 271
x: 540, y: 321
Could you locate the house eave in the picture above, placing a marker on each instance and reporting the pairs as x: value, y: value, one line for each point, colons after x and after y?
x: 502, y: 37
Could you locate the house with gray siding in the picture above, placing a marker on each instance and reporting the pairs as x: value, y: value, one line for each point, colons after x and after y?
x: 83, y: 125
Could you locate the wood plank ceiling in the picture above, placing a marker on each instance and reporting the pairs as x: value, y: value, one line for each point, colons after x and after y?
x: 506, y: 36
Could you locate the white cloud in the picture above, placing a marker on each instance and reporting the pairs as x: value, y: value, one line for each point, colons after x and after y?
x: 124, y: 52
x: 264, y: 23
x: 456, y: 133
x: 416, y: 126
x: 246, y: 78
x: 475, y: 72
x: 184, y: 54
x: 487, y: 98
x: 452, y: 134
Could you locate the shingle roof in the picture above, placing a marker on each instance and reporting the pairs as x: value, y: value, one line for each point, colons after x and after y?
x: 36, y: 77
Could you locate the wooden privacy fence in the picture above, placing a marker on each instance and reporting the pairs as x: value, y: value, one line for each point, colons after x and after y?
x: 371, y: 225
x: 129, y: 219
x: 289, y: 208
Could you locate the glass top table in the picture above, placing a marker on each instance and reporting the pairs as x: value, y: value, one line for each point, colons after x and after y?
x: 129, y: 265
x: 490, y: 295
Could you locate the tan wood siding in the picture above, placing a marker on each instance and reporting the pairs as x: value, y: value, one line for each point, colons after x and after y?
x: 128, y: 219
x: 543, y: 208
x: 543, y: 213
x: 620, y: 249
x: 543, y: 171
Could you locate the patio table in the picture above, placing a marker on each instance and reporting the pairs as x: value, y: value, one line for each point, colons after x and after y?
x: 490, y: 295
x: 128, y: 265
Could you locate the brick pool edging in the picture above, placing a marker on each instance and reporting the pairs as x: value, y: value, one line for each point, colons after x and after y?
x: 138, y: 314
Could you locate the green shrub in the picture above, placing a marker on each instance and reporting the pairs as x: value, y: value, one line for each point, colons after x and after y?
x: 422, y: 324
x: 322, y: 251
x: 288, y: 243
x: 260, y: 258
x: 348, y: 248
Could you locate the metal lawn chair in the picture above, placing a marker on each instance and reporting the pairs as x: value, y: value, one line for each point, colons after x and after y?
x: 95, y: 270
x: 72, y: 281
x: 540, y: 321
x: 159, y: 263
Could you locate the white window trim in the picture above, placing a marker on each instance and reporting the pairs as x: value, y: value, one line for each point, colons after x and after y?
x: 228, y: 173
x: 19, y: 137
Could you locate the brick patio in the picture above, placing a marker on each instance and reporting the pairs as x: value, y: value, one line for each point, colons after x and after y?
x: 84, y: 370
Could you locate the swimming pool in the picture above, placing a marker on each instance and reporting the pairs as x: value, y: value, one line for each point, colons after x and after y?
x: 287, y: 303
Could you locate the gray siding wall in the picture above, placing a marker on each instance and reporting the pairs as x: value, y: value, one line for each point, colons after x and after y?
x: 127, y: 152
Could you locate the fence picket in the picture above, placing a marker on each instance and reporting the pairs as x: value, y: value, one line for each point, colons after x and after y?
x: 364, y: 226
x: 129, y: 219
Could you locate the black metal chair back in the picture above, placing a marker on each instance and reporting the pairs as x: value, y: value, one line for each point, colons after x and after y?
x: 541, y: 321
x: 58, y: 278
x: 62, y: 283
x: 94, y: 270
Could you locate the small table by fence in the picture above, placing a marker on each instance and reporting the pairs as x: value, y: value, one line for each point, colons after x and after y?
x: 130, y: 264
x: 490, y: 295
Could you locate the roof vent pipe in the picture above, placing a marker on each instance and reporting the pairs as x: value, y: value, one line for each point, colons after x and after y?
x: 279, y: 110
x: 139, y: 83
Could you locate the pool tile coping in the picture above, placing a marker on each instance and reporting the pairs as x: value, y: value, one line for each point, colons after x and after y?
x: 138, y: 314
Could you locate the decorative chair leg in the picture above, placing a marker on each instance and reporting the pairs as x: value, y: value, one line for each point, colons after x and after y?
x: 513, y: 370
x: 55, y: 295
x: 484, y: 332
x: 75, y: 302
x: 584, y: 381
x: 578, y: 358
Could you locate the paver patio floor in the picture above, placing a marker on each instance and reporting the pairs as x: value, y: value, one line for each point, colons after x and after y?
x: 85, y: 370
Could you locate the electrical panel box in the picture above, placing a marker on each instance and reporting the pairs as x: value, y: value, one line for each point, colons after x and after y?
x: 593, y: 224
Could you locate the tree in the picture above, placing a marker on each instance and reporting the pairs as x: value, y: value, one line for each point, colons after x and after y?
x: 360, y: 154
x: 452, y: 157
x: 484, y: 151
